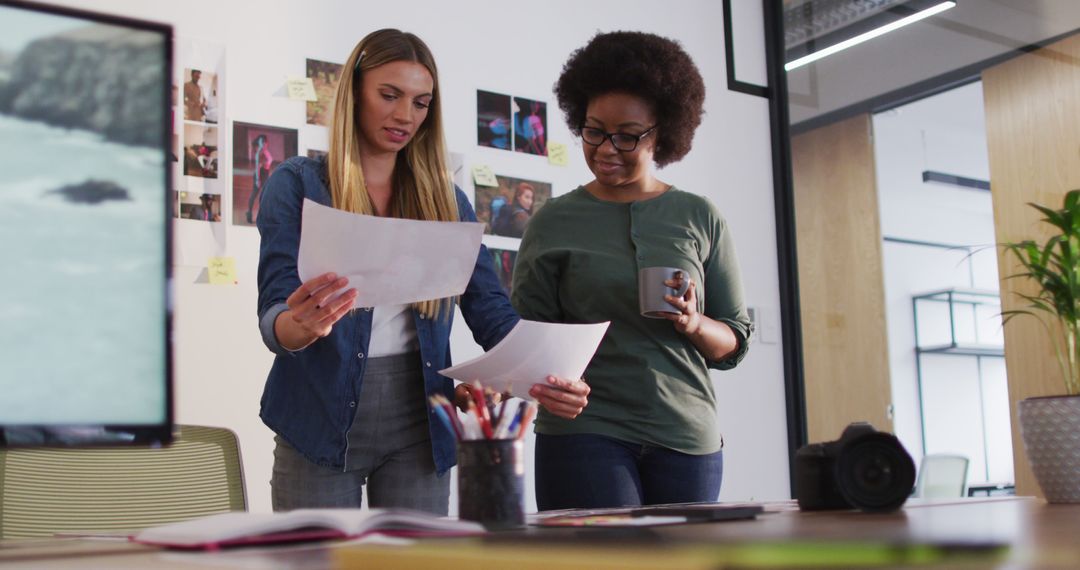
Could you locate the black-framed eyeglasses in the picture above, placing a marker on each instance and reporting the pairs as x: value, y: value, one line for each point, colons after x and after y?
x: 621, y: 141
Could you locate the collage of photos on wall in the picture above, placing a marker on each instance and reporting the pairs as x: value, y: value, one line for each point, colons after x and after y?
x: 511, y: 123
x: 257, y: 151
x: 198, y: 102
x: 516, y: 124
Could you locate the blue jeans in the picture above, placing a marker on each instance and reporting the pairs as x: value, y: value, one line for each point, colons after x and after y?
x: 594, y: 471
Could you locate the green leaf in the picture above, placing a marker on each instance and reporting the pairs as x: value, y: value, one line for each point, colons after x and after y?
x: 1054, y: 266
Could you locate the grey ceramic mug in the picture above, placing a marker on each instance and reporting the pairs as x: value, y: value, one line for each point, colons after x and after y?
x: 651, y: 290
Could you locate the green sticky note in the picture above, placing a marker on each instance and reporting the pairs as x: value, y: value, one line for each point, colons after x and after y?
x: 222, y: 270
x: 301, y: 89
x: 556, y: 153
x: 483, y: 176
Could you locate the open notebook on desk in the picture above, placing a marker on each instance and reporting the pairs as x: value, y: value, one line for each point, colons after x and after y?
x: 241, y: 529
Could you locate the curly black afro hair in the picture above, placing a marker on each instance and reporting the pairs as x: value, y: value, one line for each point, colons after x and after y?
x: 641, y: 64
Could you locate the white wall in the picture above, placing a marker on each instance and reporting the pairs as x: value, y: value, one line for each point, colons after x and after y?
x: 966, y: 398
x: 220, y: 361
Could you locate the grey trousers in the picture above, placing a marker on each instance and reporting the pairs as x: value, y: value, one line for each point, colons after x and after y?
x: 389, y: 450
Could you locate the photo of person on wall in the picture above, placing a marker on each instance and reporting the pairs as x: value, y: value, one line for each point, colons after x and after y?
x: 530, y: 126
x: 506, y: 209
x: 257, y: 151
x: 493, y: 125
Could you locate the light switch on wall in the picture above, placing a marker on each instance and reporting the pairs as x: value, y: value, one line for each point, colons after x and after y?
x: 765, y: 325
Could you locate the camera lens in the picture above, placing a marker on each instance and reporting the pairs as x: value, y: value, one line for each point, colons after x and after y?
x: 875, y: 472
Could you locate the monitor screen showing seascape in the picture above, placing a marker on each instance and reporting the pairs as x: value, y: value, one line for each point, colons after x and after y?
x: 84, y: 223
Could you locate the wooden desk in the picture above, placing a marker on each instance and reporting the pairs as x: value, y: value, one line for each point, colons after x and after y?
x: 1038, y: 536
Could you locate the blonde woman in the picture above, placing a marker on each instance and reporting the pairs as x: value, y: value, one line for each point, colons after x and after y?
x: 347, y: 393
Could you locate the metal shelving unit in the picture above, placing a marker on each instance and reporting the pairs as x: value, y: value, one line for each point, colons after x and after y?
x: 959, y: 299
x: 962, y: 306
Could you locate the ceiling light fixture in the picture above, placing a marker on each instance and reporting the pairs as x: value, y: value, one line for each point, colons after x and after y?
x: 895, y: 25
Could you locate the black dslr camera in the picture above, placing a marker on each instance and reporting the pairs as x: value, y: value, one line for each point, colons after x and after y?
x: 865, y: 469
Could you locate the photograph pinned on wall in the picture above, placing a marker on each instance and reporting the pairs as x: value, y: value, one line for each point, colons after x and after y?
x: 199, y: 73
x: 507, y: 208
x: 530, y: 126
x: 200, y: 151
x: 200, y: 95
x: 493, y: 126
x: 317, y: 154
x: 203, y: 207
x: 504, y: 259
x: 257, y: 151
x: 324, y: 75
x: 198, y: 107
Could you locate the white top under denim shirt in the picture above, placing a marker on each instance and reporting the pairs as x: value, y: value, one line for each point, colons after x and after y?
x: 392, y: 331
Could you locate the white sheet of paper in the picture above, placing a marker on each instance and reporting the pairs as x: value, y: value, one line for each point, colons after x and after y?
x: 388, y: 261
x: 530, y: 353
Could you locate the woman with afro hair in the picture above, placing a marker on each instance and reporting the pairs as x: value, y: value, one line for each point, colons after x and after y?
x: 649, y: 434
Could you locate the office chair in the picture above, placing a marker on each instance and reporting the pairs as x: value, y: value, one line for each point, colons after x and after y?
x: 50, y: 490
x: 941, y: 476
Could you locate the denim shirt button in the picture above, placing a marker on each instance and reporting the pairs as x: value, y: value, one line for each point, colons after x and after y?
x: 428, y: 364
x: 352, y: 404
x: 360, y: 355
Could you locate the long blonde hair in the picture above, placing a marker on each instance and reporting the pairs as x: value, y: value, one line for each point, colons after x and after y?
x: 422, y: 186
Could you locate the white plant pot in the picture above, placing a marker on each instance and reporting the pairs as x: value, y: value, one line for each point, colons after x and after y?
x: 1050, y: 428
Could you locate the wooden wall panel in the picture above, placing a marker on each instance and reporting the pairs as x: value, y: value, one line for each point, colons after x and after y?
x: 841, y: 288
x: 1033, y: 137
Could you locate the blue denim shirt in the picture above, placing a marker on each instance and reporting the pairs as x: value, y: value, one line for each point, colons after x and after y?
x: 311, y: 394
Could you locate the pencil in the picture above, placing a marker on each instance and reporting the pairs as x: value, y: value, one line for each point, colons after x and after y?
x: 452, y: 412
x: 526, y: 419
x: 483, y: 416
x: 440, y: 412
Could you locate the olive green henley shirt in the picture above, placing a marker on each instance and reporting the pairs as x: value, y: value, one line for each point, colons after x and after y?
x: 578, y: 263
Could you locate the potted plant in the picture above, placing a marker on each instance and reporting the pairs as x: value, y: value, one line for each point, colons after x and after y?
x: 1050, y: 426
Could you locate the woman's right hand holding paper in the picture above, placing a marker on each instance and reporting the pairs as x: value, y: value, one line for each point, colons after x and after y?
x: 313, y: 310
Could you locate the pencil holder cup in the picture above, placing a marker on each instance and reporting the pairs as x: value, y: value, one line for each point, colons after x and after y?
x: 491, y: 483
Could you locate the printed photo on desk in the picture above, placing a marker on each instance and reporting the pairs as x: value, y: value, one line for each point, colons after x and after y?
x: 651, y: 515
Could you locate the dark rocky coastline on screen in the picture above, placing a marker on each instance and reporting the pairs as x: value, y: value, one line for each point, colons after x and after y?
x: 99, y: 78
x: 92, y: 192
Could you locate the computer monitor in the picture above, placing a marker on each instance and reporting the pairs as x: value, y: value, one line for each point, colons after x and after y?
x: 85, y: 240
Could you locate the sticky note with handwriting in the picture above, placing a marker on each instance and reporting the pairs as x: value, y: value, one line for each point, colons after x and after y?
x: 221, y: 270
x: 483, y: 176
x: 556, y: 153
x: 301, y: 89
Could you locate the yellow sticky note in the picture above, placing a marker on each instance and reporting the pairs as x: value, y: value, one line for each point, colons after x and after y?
x: 557, y: 154
x: 222, y: 270
x: 483, y: 176
x: 301, y: 89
